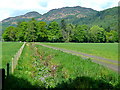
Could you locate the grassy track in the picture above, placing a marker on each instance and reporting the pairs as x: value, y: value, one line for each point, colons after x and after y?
x: 9, y: 49
x: 105, y: 50
x: 44, y: 67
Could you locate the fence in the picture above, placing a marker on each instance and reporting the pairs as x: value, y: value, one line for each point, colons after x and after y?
x: 2, y: 78
x: 10, y: 67
x: 16, y: 58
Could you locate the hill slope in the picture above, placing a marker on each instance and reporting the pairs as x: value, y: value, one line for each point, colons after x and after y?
x: 77, y: 12
x: 108, y: 19
x: 76, y: 15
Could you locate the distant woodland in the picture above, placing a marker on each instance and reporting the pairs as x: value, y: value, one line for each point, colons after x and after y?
x: 40, y: 31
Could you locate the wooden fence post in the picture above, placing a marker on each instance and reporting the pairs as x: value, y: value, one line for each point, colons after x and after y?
x: 12, y: 67
x: 2, y: 78
x: 8, y: 68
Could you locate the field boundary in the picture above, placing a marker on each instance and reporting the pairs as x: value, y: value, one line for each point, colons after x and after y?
x: 100, y: 60
x: 16, y: 58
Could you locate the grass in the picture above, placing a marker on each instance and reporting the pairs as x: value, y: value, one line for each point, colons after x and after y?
x: 9, y: 49
x: 43, y: 67
x: 74, y: 66
x: 22, y: 77
x: 25, y: 68
x: 105, y: 50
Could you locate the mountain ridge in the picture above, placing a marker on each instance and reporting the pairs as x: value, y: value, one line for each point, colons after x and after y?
x: 74, y: 15
x: 34, y: 12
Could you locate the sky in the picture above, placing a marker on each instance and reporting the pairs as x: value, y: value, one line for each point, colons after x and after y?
x: 12, y: 8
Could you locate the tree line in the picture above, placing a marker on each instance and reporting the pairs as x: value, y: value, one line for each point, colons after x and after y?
x: 40, y: 31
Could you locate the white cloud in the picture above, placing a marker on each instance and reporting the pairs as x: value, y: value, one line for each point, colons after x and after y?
x: 99, y: 4
x: 9, y: 7
x: 4, y: 14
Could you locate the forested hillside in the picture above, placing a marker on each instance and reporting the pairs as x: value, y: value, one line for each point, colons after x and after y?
x: 75, y: 15
x: 107, y: 19
x: 75, y: 23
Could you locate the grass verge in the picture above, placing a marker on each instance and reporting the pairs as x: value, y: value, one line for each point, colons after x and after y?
x: 9, y: 49
x: 105, y: 50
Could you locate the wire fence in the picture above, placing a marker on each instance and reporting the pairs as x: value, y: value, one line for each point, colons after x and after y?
x: 4, y: 73
x: 16, y: 58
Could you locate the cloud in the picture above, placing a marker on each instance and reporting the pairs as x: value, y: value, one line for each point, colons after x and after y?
x: 99, y: 4
x: 4, y: 14
x: 43, y: 4
x: 18, y: 12
x: 10, y: 8
x: 119, y: 3
x: 106, y: 5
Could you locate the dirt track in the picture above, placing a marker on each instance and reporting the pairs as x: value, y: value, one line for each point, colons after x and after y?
x: 112, y: 64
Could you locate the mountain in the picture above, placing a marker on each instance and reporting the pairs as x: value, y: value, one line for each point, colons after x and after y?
x: 32, y: 14
x: 55, y: 14
x: 76, y: 15
x: 107, y: 19
x: 28, y: 15
x: 77, y: 12
x: 12, y: 21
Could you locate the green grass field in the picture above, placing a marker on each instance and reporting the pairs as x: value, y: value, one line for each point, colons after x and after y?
x: 9, y: 49
x: 44, y: 67
x: 105, y: 50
